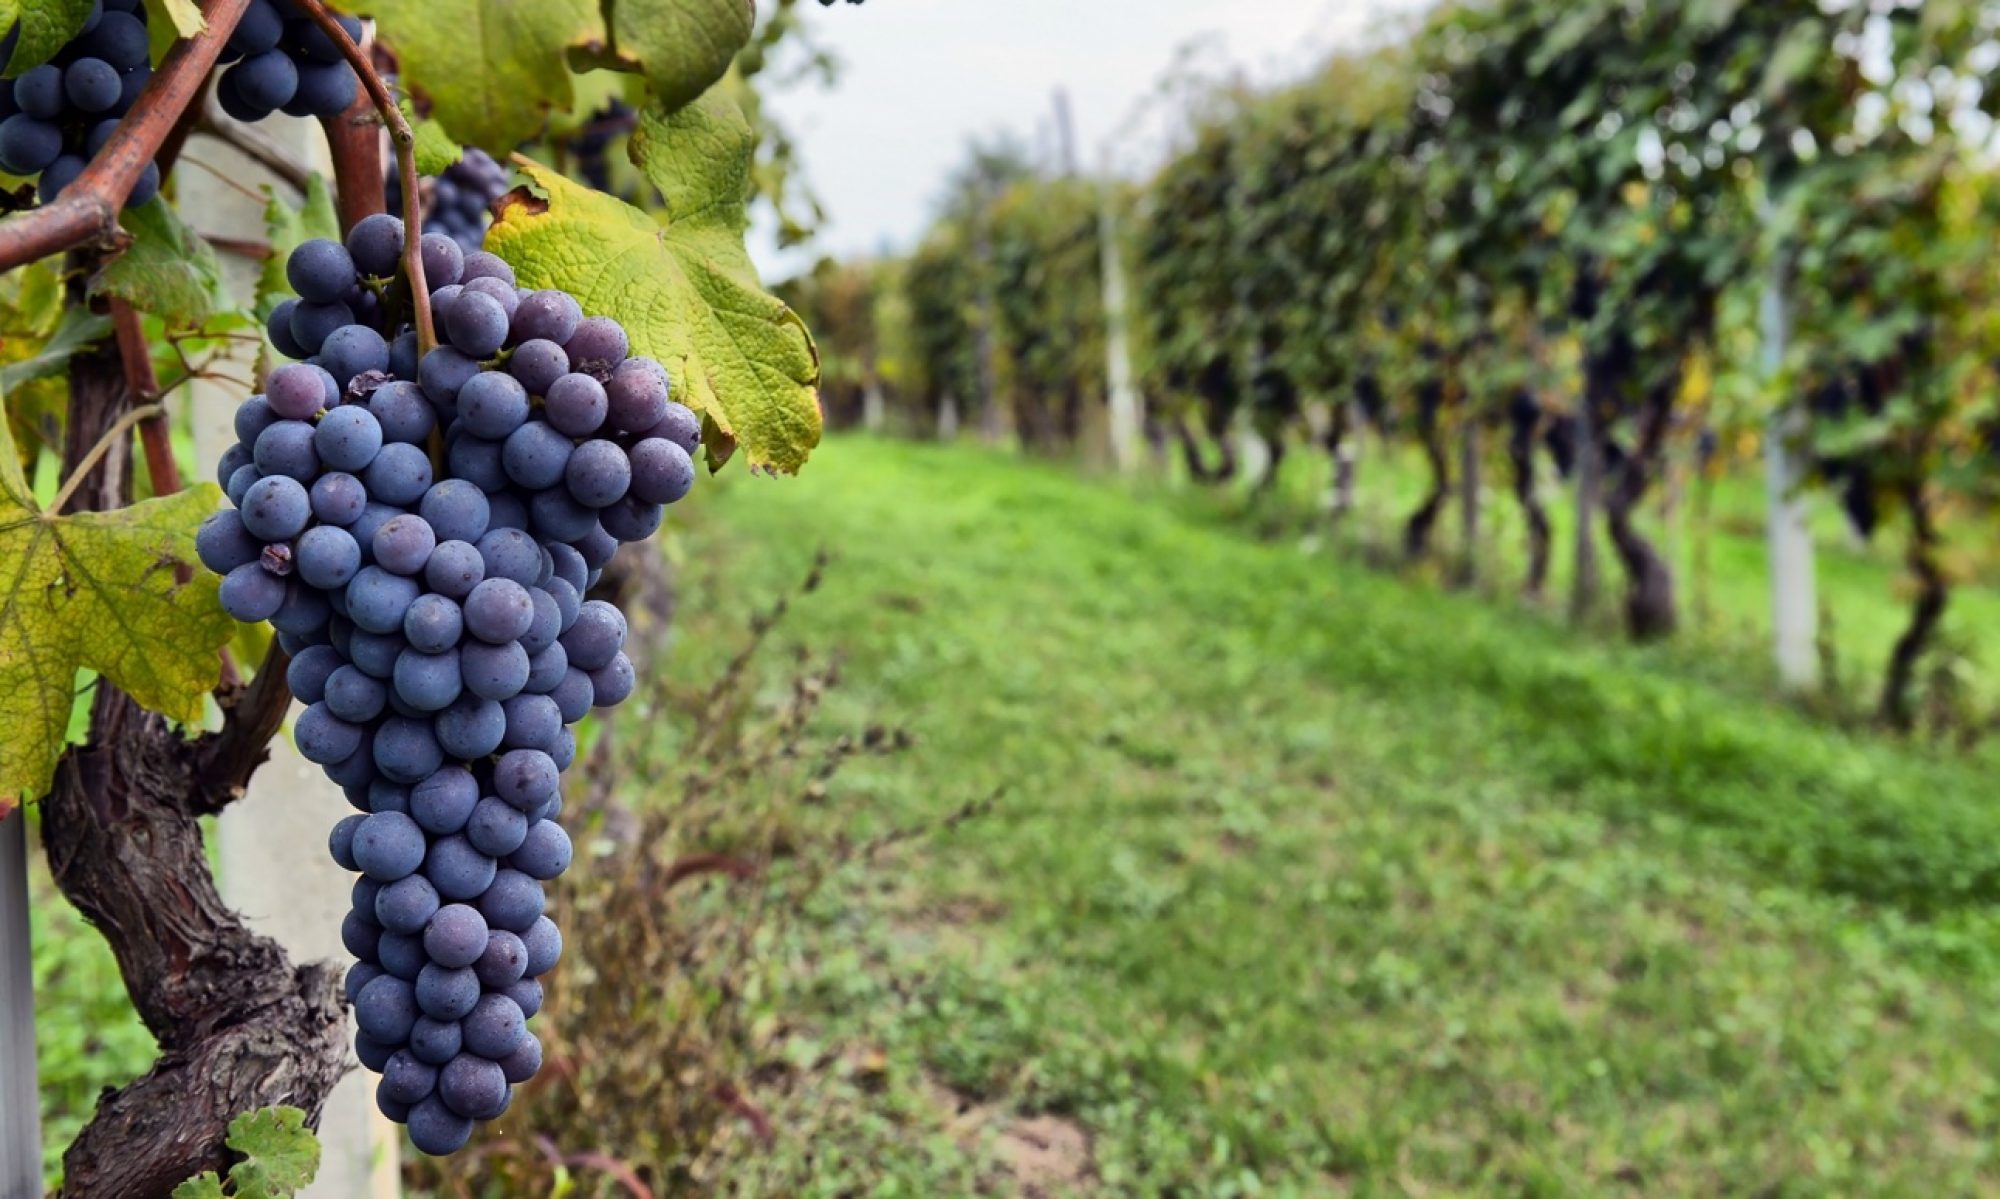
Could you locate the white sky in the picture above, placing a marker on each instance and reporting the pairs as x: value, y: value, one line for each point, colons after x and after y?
x: 921, y: 77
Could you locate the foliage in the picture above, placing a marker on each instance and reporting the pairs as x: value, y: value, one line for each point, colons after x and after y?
x: 106, y: 591
x: 279, y: 1154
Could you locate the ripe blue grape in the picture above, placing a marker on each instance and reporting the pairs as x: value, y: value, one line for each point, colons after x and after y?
x: 443, y: 373
x: 287, y: 448
x: 662, y: 472
x: 386, y: 1009
x: 547, y: 669
x: 491, y: 404
x: 437, y: 1130
x: 471, y: 728
x: 574, y: 696
x: 354, y: 350
x: 434, y: 623
x: 406, y: 905
x: 375, y: 654
x: 276, y: 509
x: 526, y: 778
x: 576, y: 405
x: 223, y: 544
x: 320, y: 270
x: 28, y: 144
x: 458, y: 870
x: 328, y: 557
x: 477, y: 324
x: 407, y: 1079
x: 92, y: 85
x: 406, y: 749
x: 388, y: 845
x: 377, y: 600
x: 309, y: 670
x: 597, y: 347
x: 474, y: 1086
x: 535, y: 455
x: 354, y: 696
x: 456, y: 936
x: 545, y: 944
x: 348, y: 438
x: 597, y: 636
x: 538, y: 364
x: 612, y: 683
x: 496, y: 828
x: 545, y: 853
x: 495, y: 672
x: 599, y: 474
x: 505, y: 960
x: 454, y: 569
x: 400, y: 474
x: 447, y: 993
x: 403, y: 411
x: 313, y: 323
x: 524, y: 1062
x: 434, y: 1042
x: 560, y: 517
x: 499, y: 611
x: 494, y: 1027
x: 632, y: 519
x: 547, y: 316
x: 443, y: 802
x: 404, y: 543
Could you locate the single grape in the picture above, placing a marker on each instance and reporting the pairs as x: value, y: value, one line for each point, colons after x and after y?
x: 500, y: 293
x: 479, y: 462
x: 492, y: 405
x: 444, y: 262
x: 28, y: 144
x: 250, y: 594
x: 559, y: 518
x: 470, y: 729
x: 400, y: 474
x: 494, y: 1027
x: 499, y: 611
x: 354, y: 696
x: 309, y: 670
x: 476, y: 324
x: 388, y: 845
x: 348, y: 438
x: 547, y: 624
x: 92, y: 85
x: 547, y: 315
x: 435, y: 1042
x: 304, y: 612
x: 407, y: 751
x: 457, y: 509
x: 258, y: 30
x: 406, y: 905
x: 637, y: 393
x: 538, y: 364
x: 403, y: 411
x: 406, y: 1079
x: 312, y: 324
x: 599, y: 474
x: 632, y: 519
x: 286, y: 448
x: 39, y: 92
x: 375, y: 654
x: 481, y: 265
x: 525, y: 778
x: 359, y: 936
x: 387, y: 1008
x: 447, y: 994
x: 547, y: 669
x: 436, y: 1130
x: 377, y: 600
x: 576, y: 405
x: 321, y: 271
x: 496, y: 828
x: 662, y: 472
x: 506, y: 958
x: 360, y: 974
x: 403, y: 957
x: 597, y: 636
x: 276, y: 509
x: 533, y: 721
x: 474, y: 1086
x: 454, y: 569
x: 403, y: 545
x: 434, y: 623
x: 597, y: 347
x: 525, y: 1062
x: 495, y: 672
x: 535, y: 455
x: 443, y: 374
x: 458, y: 870
x: 354, y: 350
x: 544, y: 942
x: 612, y: 683
x: 325, y: 90
x: 456, y: 936
x: 223, y: 544
x: 510, y: 553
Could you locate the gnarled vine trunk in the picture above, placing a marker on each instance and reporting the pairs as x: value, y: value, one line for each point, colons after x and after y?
x: 239, y: 1026
x: 1525, y: 434
x: 1651, y: 612
x: 1926, y: 611
x: 1430, y: 428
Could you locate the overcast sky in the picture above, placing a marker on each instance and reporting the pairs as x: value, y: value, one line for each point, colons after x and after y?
x: 921, y: 77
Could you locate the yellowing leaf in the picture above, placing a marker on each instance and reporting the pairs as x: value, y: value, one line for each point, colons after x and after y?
x: 168, y: 270
x: 97, y: 590
x: 685, y: 289
x: 491, y: 69
x: 184, y: 15
x: 683, y: 46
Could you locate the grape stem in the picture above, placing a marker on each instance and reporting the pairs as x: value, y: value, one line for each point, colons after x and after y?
x: 406, y: 158
x: 87, y: 211
x: 89, y: 461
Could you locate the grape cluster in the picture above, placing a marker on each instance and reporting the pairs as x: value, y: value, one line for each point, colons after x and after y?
x: 592, y: 143
x: 59, y: 115
x: 436, y: 618
x: 281, y: 62
x: 460, y: 201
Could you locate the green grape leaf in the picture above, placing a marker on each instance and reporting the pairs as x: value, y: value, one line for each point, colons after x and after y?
x: 168, y: 270
x: 684, y: 287
x: 490, y: 69
x: 682, y: 46
x: 202, y: 1186
x: 79, y: 328
x: 97, y: 590
x: 46, y: 27
x: 183, y: 16
x: 280, y: 1154
x: 435, y: 151
x: 286, y: 225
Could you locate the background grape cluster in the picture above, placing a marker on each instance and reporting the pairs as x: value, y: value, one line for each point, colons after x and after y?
x: 461, y: 200
x: 435, y: 614
x: 56, y: 117
x: 281, y: 62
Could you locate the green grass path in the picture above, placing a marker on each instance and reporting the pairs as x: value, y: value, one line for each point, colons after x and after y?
x: 1307, y: 880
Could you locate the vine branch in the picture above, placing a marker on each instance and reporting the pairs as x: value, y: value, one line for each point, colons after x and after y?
x: 87, y: 211
x: 144, y: 385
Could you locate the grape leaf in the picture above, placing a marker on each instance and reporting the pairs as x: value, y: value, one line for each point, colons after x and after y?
x: 683, y: 46
x: 184, y: 16
x: 286, y: 224
x: 280, y: 1154
x: 46, y: 27
x: 97, y: 590
x: 684, y: 288
x: 490, y: 69
x: 79, y: 328
x: 435, y: 151
x: 202, y: 1186
x: 168, y: 270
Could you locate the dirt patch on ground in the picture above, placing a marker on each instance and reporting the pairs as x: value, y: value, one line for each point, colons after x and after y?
x: 1041, y: 1156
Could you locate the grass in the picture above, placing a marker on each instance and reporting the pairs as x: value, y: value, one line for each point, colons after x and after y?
x: 1306, y: 879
